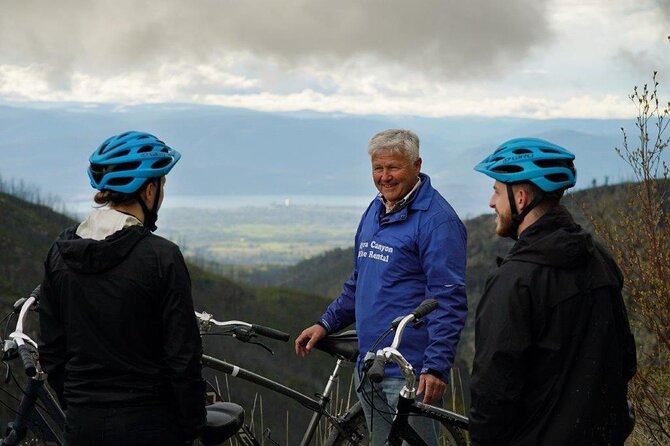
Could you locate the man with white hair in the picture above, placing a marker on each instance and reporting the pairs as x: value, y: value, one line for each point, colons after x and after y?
x: 410, y: 246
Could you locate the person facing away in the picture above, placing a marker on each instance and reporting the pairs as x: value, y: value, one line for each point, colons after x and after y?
x: 409, y: 246
x: 119, y: 338
x: 553, y: 347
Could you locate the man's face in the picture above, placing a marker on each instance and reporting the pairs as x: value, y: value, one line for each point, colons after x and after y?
x: 394, y: 175
x: 500, y: 203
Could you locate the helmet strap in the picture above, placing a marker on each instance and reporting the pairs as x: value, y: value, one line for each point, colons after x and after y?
x: 517, y: 217
x: 151, y: 215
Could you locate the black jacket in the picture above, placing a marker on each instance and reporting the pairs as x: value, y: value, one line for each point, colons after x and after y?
x: 553, y: 347
x: 117, y: 325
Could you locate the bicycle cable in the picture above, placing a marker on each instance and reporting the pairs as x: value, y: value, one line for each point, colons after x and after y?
x: 214, y: 389
x: 8, y: 320
x: 368, y: 397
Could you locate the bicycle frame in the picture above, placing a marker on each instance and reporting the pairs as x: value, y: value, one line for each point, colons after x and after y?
x: 318, y: 406
x: 28, y: 417
x: 402, y: 430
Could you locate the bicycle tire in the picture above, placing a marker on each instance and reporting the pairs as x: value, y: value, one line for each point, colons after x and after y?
x: 355, y: 432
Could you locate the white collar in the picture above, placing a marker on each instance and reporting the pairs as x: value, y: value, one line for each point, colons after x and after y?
x: 400, y: 203
x: 104, y: 222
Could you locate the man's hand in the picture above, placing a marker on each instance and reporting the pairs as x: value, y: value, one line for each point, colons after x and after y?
x: 431, y: 387
x: 309, y: 336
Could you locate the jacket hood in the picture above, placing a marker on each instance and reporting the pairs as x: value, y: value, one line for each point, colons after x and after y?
x: 554, y: 240
x: 90, y: 256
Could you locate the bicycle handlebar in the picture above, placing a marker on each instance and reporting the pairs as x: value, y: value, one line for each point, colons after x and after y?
x: 28, y: 362
x: 391, y: 354
x: 271, y: 333
x: 20, y: 338
x: 207, y: 319
x: 376, y: 371
x: 424, y: 308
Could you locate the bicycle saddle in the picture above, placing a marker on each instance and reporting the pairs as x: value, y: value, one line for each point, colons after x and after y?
x: 342, y: 345
x: 223, y: 421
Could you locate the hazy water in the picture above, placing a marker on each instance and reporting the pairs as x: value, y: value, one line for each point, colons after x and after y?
x: 84, y: 206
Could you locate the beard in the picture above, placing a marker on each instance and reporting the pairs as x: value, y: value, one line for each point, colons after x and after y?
x: 504, y: 224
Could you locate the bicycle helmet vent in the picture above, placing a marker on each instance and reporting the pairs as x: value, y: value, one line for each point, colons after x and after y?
x: 548, y: 166
x: 123, y: 163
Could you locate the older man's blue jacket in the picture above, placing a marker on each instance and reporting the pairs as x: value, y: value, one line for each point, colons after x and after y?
x: 401, y: 259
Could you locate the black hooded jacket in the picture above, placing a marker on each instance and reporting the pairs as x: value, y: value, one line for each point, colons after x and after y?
x: 117, y: 325
x: 553, y: 347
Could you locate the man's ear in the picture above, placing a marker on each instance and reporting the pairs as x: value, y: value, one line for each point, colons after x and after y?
x: 147, y: 192
x: 522, y: 198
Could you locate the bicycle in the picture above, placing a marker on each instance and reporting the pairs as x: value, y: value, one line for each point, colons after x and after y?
x: 350, y: 427
x: 455, y: 425
x: 39, y: 412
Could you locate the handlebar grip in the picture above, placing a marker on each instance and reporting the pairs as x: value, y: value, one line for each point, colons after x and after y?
x: 36, y: 293
x: 376, y: 372
x: 424, y: 308
x: 271, y: 333
x: 27, y: 358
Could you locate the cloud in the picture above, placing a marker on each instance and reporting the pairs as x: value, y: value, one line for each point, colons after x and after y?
x: 447, y: 40
x: 664, y: 8
x: 643, y: 39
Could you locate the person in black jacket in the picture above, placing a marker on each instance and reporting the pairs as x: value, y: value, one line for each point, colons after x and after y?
x: 553, y: 346
x: 119, y: 338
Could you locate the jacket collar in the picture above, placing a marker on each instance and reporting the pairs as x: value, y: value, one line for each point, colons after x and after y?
x: 419, y: 202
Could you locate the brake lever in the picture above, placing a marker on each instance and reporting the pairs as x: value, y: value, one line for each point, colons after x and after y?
x: 418, y: 323
x: 9, y: 350
x: 243, y: 334
x: 8, y: 372
x: 268, y: 349
x: 367, y: 361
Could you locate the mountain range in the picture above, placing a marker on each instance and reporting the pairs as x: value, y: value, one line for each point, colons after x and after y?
x: 237, y: 152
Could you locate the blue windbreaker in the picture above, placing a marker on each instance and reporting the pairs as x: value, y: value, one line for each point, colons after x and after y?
x: 401, y: 259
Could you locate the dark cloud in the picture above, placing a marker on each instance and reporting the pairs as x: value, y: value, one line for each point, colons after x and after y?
x: 446, y: 38
x: 642, y: 61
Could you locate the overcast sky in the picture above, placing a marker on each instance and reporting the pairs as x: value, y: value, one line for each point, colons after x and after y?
x: 530, y: 58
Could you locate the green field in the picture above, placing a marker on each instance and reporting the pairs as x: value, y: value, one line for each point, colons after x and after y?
x: 281, y: 235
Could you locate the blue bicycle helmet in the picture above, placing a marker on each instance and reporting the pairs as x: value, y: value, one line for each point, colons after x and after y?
x: 546, y: 165
x: 124, y: 162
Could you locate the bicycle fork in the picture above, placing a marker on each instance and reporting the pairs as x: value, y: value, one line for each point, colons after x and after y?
x: 400, y: 428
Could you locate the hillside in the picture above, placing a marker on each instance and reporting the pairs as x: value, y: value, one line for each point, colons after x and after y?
x: 26, y: 232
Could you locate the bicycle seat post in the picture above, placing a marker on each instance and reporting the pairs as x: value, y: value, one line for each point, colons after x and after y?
x: 324, y: 399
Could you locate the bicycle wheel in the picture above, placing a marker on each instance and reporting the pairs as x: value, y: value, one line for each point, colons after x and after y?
x: 453, y: 436
x: 355, y: 432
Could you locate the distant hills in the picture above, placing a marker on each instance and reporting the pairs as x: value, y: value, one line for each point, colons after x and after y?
x: 241, y: 152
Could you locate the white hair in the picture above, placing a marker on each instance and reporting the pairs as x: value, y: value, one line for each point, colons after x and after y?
x: 400, y: 141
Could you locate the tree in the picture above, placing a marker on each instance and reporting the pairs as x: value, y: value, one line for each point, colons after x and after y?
x: 639, y: 238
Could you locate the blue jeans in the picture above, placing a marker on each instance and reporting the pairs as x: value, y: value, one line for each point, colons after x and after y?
x: 385, y: 399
